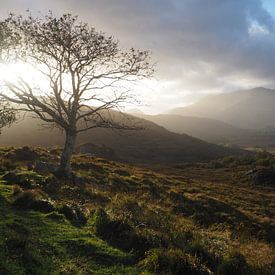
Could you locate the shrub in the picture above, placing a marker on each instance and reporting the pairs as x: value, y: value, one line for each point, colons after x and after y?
x: 11, y: 178
x: 25, y: 199
x: 32, y: 200
x: 17, y: 190
x: 7, y: 165
x: 25, y: 153
x: 101, y: 223
x: 120, y: 234
x: 74, y: 214
x: 234, y: 263
x: 173, y: 262
x: 44, y: 206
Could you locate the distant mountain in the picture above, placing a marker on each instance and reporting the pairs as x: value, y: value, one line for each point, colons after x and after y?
x: 152, y: 144
x: 212, y: 130
x: 249, y: 109
x: 135, y: 111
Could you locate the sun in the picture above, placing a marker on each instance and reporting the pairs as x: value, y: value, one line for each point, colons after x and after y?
x: 13, y: 72
x: 16, y: 72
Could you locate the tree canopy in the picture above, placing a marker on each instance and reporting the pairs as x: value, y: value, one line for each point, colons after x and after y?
x: 86, y: 72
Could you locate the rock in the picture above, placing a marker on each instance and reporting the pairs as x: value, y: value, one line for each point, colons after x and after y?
x: 44, y: 206
x: 265, y: 176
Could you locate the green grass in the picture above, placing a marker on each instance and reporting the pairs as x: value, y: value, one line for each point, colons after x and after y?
x: 196, y: 213
x: 32, y: 243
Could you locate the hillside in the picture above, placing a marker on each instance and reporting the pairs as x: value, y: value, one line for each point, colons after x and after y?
x: 115, y: 218
x: 249, y: 109
x: 212, y: 130
x: 151, y: 144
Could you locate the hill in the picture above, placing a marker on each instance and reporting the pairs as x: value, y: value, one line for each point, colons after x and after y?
x: 152, y: 144
x: 212, y: 130
x: 249, y: 109
x: 114, y: 218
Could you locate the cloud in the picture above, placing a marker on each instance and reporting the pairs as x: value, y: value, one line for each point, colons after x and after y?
x: 202, y: 46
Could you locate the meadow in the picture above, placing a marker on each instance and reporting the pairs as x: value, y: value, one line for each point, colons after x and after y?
x: 117, y: 218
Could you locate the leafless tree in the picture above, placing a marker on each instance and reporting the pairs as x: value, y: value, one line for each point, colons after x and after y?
x: 86, y: 71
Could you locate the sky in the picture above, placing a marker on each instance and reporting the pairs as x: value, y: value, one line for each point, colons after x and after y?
x: 200, y: 46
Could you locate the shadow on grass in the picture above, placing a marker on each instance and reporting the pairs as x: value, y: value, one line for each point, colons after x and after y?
x: 208, y: 211
x: 103, y: 256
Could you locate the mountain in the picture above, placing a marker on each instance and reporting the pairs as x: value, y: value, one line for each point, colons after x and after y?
x: 135, y: 111
x: 249, y: 109
x: 152, y: 144
x: 207, y: 129
x: 212, y: 130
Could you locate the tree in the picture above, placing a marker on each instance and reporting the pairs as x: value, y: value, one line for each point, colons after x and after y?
x: 7, y: 114
x: 87, y: 73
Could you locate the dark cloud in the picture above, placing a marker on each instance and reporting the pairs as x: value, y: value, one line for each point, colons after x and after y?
x: 200, y: 45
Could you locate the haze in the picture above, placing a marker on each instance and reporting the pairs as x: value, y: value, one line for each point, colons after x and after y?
x: 200, y: 46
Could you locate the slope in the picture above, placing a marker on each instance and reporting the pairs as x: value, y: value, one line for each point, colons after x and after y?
x: 122, y: 219
x: 151, y: 144
x: 212, y: 130
x: 247, y: 109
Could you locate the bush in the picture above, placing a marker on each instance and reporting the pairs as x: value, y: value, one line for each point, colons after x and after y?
x: 25, y: 199
x: 173, y: 262
x: 7, y: 165
x: 234, y: 263
x: 17, y: 190
x: 120, y: 234
x: 74, y: 214
x: 25, y: 153
x: 101, y: 223
x: 32, y: 200
x: 44, y: 206
x: 11, y: 178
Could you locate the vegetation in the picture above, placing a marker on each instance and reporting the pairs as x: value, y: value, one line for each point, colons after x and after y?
x: 85, y: 73
x: 113, y: 218
x: 7, y: 114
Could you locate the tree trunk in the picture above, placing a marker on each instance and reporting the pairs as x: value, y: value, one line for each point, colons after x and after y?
x: 65, y: 169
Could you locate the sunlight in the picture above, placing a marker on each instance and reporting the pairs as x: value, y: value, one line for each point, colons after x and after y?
x: 14, y: 72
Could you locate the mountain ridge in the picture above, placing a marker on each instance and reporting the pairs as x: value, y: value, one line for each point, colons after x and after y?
x: 152, y: 144
x: 243, y: 108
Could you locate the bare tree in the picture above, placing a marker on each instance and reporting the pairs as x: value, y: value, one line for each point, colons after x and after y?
x: 86, y: 71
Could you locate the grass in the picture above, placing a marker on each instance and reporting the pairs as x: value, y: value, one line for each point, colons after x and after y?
x: 33, y: 243
x: 194, y: 214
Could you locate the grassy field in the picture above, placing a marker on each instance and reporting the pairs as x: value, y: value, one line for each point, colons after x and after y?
x: 114, y: 218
